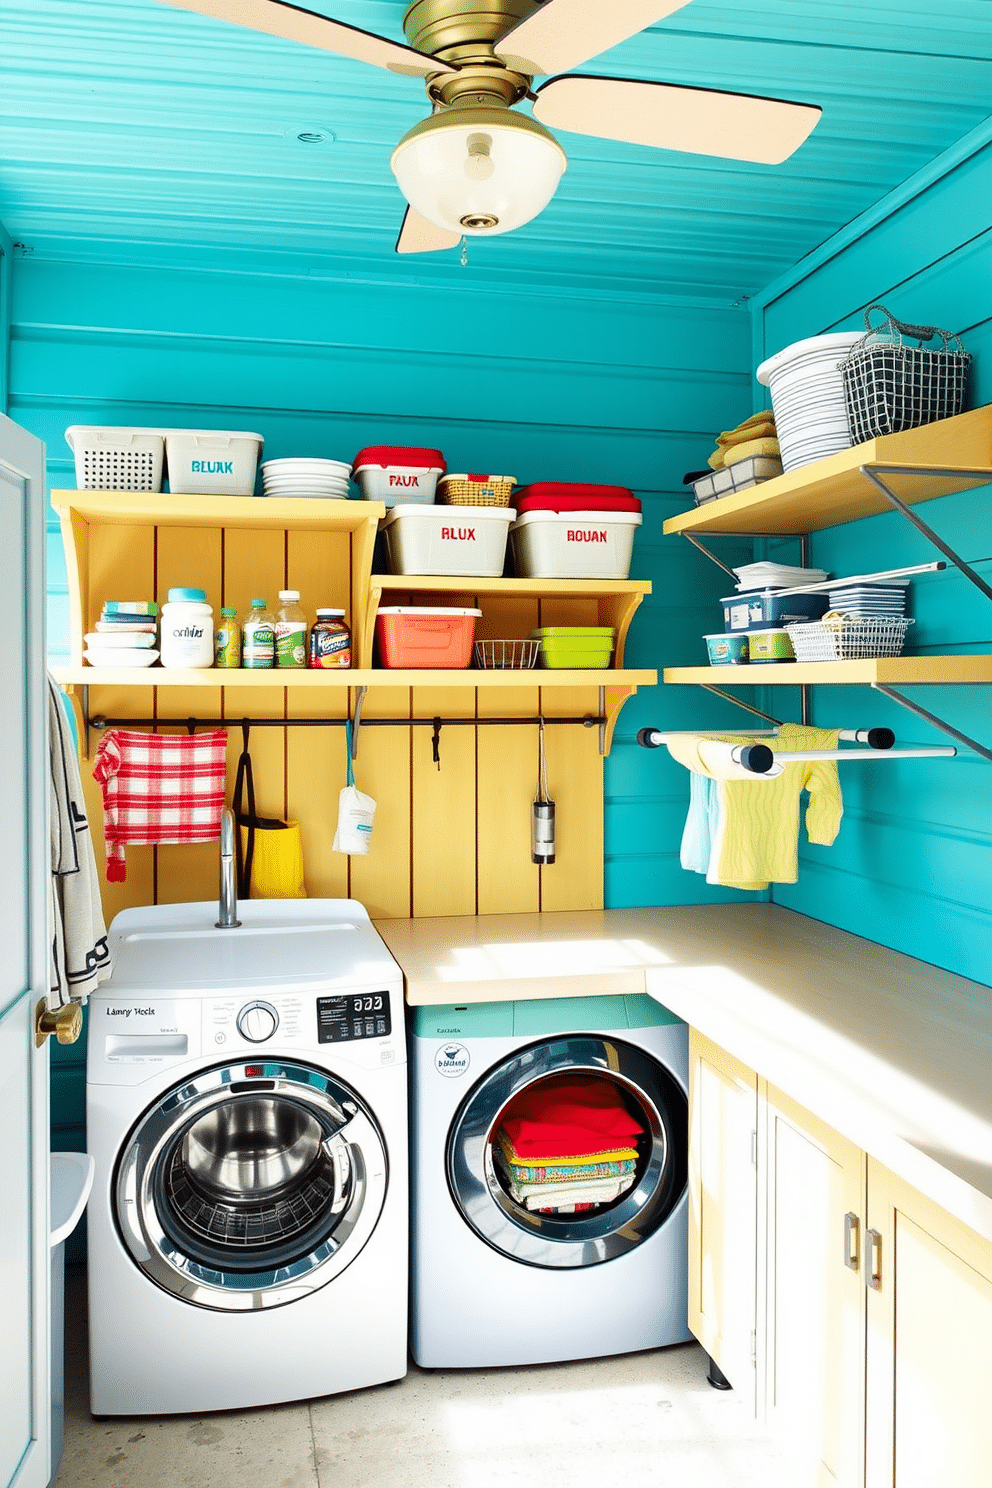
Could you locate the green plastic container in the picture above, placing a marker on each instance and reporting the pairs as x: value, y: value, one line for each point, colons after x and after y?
x: 575, y: 647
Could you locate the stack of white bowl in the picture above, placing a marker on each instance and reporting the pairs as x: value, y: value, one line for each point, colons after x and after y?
x: 325, y: 479
x: 807, y: 388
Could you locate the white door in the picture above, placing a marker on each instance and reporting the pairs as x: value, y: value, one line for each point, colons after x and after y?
x: 24, y: 1251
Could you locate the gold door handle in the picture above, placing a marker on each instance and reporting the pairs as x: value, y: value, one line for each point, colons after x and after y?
x: 65, y: 1022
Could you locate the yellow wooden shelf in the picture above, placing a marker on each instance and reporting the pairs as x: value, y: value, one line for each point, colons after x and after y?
x: 148, y: 677
x: 162, y: 509
x: 885, y: 669
x: 829, y: 492
x: 522, y: 588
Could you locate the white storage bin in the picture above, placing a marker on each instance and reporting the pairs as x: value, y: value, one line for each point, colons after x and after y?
x: 574, y: 545
x: 465, y: 540
x: 109, y: 459
x: 206, y: 462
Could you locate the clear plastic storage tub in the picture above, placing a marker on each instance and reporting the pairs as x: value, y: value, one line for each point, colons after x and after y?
x: 574, y: 545
x: 465, y: 540
x: 398, y: 474
x: 212, y: 462
x: 425, y: 636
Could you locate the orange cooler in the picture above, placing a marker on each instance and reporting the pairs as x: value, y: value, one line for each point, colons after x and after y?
x: 421, y: 636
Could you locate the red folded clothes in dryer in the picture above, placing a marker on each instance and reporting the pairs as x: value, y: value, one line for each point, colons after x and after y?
x: 159, y: 788
x: 571, y: 1117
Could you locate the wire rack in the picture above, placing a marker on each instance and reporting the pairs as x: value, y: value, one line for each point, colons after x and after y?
x: 501, y: 656
x: 849, y: 639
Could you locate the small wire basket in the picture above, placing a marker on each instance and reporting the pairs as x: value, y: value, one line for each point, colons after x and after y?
x: 889, y: 386
x: 500, y: 656
x: 845, y: 638
x: 476, y: 490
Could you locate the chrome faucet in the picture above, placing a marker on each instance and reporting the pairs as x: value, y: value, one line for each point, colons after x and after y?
x: 228, y: 883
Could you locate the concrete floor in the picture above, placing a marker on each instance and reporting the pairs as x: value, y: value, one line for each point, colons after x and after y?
x: 648, y: 1419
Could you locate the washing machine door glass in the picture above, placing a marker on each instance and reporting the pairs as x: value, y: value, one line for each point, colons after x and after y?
x: 479, y: 1184
x: 249, y: 1186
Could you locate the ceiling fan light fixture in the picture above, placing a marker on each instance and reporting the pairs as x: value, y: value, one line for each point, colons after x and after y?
x: 478, y: 169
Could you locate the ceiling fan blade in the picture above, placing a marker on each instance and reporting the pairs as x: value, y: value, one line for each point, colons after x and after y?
x: 278, y: 18
x: 417, y: 235
x: 564, y: 33
x: 737, y: 126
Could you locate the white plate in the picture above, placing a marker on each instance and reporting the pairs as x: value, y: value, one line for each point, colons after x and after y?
x: 306, y: 482
x: 110, y: 658
x: 124, y: 640
x: 317, y: 466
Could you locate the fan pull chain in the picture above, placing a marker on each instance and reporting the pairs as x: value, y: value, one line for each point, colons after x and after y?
x: 464, y: 257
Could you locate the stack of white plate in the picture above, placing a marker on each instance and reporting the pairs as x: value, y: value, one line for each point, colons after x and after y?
x: 324, y: 479
x: 807, y: 389
x: 768, y: 575
x: 865, y: 600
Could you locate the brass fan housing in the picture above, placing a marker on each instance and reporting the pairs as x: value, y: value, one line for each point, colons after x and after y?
x: 435, y: 26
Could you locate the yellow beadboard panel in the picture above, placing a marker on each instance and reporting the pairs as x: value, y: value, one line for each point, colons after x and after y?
x: 382, y: 878
x: 189, y: 560
x: 121, y: 565
x: 254, y: 564
x: 444, y: 807
x: 575, y: 784
x: 318, y: 564
x: 315, y: 773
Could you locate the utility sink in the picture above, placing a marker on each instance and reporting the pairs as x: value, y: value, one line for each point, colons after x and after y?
x: 288, y: 942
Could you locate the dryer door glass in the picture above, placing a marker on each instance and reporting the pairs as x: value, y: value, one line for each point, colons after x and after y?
x: 529, y: 1221
x: 250, y: 1186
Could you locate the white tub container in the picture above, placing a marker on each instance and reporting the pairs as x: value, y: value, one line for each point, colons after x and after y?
x: 398, y: 474
x: 807, y: 391
x: 212, y: 462
x: 465, y: 540
x: 574, y: 545
x: 109, y: 459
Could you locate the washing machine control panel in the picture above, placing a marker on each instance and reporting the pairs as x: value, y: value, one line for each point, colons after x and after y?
x: 358, y: 1015
x: 257, y: 1021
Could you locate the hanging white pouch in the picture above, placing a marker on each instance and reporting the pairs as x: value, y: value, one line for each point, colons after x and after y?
x: 356, y: 812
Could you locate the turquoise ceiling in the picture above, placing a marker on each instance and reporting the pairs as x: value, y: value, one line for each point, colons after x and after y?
x: 133, y: 132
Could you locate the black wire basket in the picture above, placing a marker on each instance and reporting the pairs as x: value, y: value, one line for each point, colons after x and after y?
x: 890, y: 386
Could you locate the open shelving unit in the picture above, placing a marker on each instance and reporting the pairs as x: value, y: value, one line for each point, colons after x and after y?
x: 318, y: 546
x: 894, y: 472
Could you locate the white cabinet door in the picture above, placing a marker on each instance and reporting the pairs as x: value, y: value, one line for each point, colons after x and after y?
x: 723, y: 1211
x: 25, y: 1268
x: 815, y: 1341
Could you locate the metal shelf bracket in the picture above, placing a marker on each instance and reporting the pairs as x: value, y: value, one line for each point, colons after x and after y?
x: 874, y: 473
x: 905, y: 702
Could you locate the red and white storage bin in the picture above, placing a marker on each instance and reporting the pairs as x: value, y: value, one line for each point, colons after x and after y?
x: 421, y: 636
x: 574, y: 545
x: 212, y: 462
x: 564, y: 496
x: 468, y: 540
x: 393, y: 473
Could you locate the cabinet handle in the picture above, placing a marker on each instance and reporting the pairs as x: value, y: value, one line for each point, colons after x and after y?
x: 874, y: 1277
x: 852, y: 1241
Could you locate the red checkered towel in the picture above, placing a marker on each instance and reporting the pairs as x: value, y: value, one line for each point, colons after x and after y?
x: 159, y: 788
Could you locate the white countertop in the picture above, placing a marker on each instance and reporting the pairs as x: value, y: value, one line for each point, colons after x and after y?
x: 892, y: 1052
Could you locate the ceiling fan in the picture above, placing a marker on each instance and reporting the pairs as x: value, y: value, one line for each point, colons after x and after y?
x: 475, y: 167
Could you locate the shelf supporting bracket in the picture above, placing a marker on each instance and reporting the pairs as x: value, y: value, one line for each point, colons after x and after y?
x: 905, y: 702
x: 728, y: 697
x: 874, y: 473
x: 602, y: 720
x: 356, y: 722
x: 711, y: 556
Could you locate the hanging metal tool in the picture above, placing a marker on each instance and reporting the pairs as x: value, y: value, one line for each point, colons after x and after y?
x: 542, y: 835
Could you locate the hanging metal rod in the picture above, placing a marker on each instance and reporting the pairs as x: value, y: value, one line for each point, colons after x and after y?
x: 101, y: 721
x: 905, y: 702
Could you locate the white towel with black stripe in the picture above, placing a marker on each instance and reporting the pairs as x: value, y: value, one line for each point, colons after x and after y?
x: 80, y: 953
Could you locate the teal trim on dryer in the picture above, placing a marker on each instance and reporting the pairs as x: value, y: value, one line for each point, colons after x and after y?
x: 539, y: 1017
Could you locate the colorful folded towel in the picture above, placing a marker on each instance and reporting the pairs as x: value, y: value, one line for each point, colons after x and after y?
x: 569, y: 1117
x: 617, y: 1155
x: 560, y: 1172
x: 600, y: 1191
x: 159, y: 788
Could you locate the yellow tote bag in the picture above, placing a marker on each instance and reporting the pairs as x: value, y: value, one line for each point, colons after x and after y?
x: 276, y: 861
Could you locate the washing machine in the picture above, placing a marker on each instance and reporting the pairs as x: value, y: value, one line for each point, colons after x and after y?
x: 247, y: 1114
x: 494, y: 1283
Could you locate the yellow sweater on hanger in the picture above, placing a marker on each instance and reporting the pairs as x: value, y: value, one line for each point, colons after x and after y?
x: 757, y: 837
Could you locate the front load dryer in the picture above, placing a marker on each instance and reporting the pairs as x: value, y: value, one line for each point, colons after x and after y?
x: 494, y: 1283
x: 247, y: 1113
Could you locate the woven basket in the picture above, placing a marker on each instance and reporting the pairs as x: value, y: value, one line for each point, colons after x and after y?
x: 476, y: 490
x: 847, y: 639
x: 889, y: 386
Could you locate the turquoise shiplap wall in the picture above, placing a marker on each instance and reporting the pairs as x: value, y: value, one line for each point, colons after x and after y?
x: 911, y: 865
x: 579, y: 388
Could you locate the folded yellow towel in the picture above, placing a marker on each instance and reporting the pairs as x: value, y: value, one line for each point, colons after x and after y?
x: 715, y: 461
x: 753, y: 447
x: 762, y: 430
x: 766, y: 415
